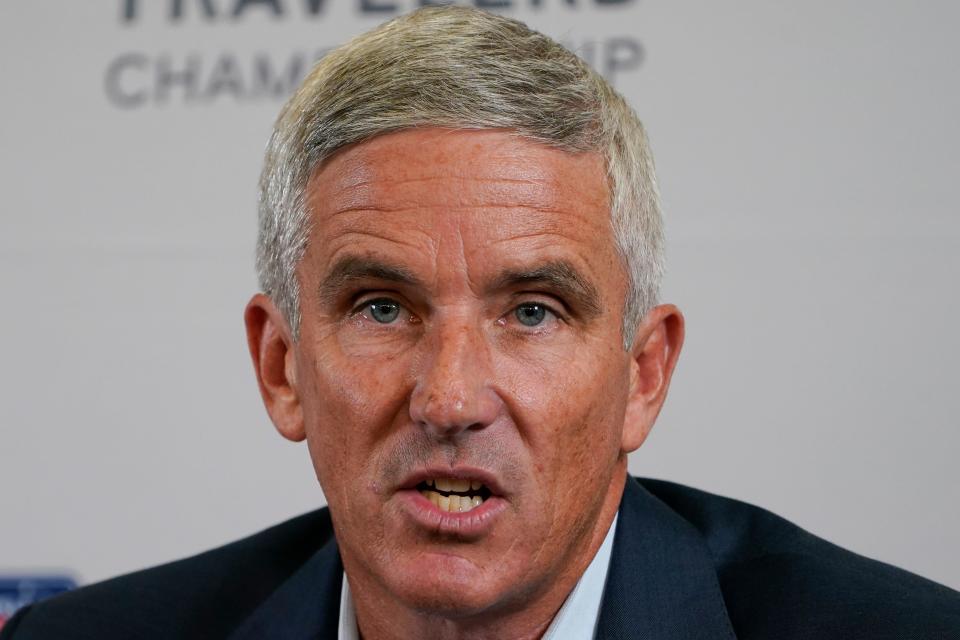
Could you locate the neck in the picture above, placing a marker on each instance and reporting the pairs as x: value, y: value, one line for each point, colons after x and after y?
x: 382, y: 617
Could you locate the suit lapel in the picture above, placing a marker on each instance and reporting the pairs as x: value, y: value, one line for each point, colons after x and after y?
x: 662, y: 584
x: 306, y: 605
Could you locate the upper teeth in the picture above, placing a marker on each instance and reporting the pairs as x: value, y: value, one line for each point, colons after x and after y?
x: 454, y: 484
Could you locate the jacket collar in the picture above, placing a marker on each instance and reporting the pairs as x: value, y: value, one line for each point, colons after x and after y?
x: 306, y: 605
x: 662, y: 583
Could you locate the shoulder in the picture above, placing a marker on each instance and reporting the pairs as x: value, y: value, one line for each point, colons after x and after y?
x: 775, y: 576
x: 206, y: 595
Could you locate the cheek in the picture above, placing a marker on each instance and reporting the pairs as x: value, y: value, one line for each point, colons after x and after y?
x: 571, y: 423
x: 349, y: 405
x: 570, y: 409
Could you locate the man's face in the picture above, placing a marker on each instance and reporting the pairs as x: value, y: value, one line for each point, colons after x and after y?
x: 460, y: 367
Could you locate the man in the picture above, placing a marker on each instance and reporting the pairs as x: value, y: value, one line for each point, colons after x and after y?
x: 460, y: 250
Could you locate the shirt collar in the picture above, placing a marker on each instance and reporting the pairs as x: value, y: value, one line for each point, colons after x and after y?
x: 576, y: 620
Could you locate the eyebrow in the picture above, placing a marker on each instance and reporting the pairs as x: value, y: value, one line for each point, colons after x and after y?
x: 350, y: 269
x: 559, y: 276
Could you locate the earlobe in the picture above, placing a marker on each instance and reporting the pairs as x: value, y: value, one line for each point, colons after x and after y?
x: 653, y: 359
x: 272, y: 351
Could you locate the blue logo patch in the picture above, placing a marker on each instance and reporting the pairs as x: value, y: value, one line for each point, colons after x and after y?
x: 19, y: 591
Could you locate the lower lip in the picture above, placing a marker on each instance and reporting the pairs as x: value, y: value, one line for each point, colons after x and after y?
x: 460, y: 524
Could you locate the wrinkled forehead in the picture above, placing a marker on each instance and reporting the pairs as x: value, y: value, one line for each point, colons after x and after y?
x: 469, y: 168
x: 501, y: 200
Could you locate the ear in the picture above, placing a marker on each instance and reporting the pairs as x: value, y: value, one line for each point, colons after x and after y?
x: 653, y: 357
x: 272, y: 350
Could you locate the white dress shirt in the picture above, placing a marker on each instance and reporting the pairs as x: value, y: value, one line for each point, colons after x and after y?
x: 576, y: 620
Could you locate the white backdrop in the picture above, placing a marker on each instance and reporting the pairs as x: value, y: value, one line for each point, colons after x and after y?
x: 807, y: 155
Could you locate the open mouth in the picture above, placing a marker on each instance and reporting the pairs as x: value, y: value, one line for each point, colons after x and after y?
x: 455, y: 495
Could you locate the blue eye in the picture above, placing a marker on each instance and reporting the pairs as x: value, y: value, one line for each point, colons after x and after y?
x: 530, y: 314
x: 383, y: 311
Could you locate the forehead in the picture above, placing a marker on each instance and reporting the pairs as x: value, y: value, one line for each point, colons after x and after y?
x: 484, y: 190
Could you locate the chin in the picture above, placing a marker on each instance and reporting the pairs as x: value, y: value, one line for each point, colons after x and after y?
x: 450, y: 586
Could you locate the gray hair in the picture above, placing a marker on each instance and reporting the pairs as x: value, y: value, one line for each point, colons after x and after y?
x: 459, y: 68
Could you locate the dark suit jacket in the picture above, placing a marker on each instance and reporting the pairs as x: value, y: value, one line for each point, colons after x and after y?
x: 686, y: 565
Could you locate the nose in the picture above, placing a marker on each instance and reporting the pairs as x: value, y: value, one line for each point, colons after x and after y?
x: 453, y: 392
